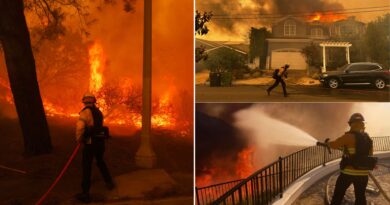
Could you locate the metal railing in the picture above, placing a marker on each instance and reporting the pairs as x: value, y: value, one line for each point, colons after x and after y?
x: 268, y: 183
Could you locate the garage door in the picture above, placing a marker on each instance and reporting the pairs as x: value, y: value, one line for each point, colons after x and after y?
x: 294, y: 58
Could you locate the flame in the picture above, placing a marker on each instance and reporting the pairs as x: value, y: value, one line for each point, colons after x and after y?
x: 221, y: 171
x: 116, y: 102
x: 326, y: 17
x: 96, y: 67
x: 244, y: 165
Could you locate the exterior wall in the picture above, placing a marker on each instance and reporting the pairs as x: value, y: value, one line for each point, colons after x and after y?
x: 278, y: 28
x: 347, y: 28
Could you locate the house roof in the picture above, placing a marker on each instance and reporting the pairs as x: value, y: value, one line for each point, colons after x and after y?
x: 288, y: 17
x: 239, y: 47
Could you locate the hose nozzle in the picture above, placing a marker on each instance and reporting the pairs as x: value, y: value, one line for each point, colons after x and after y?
x: 325, y: 144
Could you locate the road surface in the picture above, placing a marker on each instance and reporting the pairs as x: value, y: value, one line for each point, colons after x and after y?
x: 297, y: 93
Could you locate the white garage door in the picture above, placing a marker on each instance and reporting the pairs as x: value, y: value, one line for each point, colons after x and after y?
x: 294, y: 58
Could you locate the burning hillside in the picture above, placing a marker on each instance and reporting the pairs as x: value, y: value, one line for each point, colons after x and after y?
x: 108, y: 63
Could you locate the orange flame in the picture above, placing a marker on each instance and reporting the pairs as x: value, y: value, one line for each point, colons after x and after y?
x: 326, y: 17
x: 116, y: 113
x: 96, y: 66
x: 244, y: 165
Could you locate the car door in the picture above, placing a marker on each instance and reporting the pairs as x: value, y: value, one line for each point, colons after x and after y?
x: 356, y: 73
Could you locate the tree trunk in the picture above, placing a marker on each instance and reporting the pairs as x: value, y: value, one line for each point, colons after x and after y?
x: 15, y: 39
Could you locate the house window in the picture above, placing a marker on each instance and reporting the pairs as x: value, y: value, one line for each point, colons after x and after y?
x: 316, y: 32
x: 290, y: 28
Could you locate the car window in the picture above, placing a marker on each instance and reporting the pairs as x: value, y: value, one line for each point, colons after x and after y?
x: 343, y: 68
x: 374, y: 67
x: 360, y: 67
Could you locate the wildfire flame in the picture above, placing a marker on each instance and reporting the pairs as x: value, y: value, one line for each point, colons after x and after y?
x: 96, y: 65
x: 326, y: 17
x: 116, y: 113
x: 243, y: 167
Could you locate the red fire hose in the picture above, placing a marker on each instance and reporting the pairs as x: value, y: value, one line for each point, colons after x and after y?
x: 60, y: 175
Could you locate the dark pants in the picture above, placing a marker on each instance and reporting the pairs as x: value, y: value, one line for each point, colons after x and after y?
x: 277, y: 81
x: 90, y: 151
x: 342, y: 184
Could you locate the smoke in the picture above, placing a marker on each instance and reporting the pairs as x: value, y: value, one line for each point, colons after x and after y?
x: 120, y: 34
x: 377, y: 117
x: 264, y: 131
x: 226, y: 12
x: 257, y: 134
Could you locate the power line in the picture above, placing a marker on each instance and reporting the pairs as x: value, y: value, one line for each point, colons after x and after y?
x: 319, y: 11
x: 306, y: 15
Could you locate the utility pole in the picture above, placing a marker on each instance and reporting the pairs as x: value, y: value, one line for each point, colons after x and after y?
x: 145, y: 156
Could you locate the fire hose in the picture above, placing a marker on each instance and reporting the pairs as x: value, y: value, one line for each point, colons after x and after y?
x: 40, y: 201
x: 381, y: 190
x: 379, y: 186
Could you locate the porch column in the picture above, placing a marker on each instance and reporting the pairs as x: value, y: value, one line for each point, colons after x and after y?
x: 323, y: 59
x: 347, y: 54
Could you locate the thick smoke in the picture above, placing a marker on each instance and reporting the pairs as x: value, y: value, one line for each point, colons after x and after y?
x: 228, y: 10
x: 217, y: 151
x: 120, y: 34
x: 258, y: 127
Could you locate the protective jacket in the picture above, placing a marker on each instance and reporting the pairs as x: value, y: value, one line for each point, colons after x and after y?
x: 86, y: 126
x: 347, y: 143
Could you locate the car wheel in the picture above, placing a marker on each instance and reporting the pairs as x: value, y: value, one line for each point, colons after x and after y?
x: 380, y: 83
x: 333, y: 83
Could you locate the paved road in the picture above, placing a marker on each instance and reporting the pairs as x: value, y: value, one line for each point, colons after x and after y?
x: 252, y: 93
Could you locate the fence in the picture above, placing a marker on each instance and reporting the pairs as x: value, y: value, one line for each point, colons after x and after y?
x: 268, y: 183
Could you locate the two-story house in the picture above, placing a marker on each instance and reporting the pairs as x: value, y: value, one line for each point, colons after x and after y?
x: 290, y: 35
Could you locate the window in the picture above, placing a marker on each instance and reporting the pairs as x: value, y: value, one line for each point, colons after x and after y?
x: 316, y: 32
x: 290, y: 28
x: 361, y: 67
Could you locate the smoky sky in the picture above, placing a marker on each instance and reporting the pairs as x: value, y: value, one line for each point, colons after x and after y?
x: 217, y: 139
x: 228, y: 8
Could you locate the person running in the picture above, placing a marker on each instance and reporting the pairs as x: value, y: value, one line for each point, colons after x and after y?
x: 278, y: 76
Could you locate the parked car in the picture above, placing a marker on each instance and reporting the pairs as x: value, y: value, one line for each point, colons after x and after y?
x: 357, y: 74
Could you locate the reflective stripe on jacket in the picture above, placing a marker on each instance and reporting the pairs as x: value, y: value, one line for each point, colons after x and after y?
x: 348, y: 142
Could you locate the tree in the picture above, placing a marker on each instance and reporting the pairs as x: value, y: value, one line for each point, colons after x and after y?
x: 200, y: 22
x: 16, y: 45
x: 225, y: 59
x: 258, y: 45
x: 377, y: 40
x: 201, y: 29
x: 15, y: 40
x: 313, y: 55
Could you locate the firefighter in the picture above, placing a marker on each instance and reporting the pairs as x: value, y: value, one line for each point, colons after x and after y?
x: 89, y: 124
x: 356, y: 161
x: 278, y: 76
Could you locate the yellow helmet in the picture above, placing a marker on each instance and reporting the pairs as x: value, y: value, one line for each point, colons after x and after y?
x: 89, y: 98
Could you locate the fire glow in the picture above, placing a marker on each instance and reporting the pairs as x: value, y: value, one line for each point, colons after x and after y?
x: 244, y: 167
x: 325, y: 17
x: 117, y: 103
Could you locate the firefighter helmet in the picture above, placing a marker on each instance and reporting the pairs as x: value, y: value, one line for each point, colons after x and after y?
x: 356, y: 117
x: 89, y: 98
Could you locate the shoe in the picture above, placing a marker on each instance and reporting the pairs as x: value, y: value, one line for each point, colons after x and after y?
x: 268, y: 92
x: 110, y: 186
x: 83, y: 197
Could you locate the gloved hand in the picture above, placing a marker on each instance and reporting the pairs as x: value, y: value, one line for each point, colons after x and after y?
x: 324, y: 144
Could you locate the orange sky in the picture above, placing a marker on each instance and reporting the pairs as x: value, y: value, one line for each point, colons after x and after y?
x: 241, y: 27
